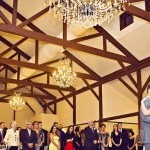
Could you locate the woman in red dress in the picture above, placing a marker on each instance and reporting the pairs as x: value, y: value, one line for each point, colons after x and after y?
x: 70, y: 138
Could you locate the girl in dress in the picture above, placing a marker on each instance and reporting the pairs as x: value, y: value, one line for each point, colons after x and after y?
x: 70, y: 138
x: 54, y: 139
x: 116, y: 138
x: 131, y: 141
x: 103, y: 138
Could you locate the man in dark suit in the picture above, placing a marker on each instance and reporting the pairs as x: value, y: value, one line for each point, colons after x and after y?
x: 91, y: 136
x: 2, y: 132
x: 28, y: 137
x: 124, y: 136
x: 62, y: 137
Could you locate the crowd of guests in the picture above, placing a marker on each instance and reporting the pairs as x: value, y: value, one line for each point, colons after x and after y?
x: 34, y: 137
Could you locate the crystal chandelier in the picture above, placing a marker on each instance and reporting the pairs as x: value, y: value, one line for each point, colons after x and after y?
x: 85, y: 13
x: 17, y: 102
x: 64, y: 76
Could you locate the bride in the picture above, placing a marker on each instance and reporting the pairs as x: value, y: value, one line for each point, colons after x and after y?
x: 54, y: 139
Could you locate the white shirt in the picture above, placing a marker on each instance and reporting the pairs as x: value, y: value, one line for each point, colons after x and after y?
x: 29, y: 131
x: 12, y: 138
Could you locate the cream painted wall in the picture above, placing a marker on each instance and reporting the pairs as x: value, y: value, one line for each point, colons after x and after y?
x: 21, y: 116
x: 115, y: 103
x: 6, y: 114
x: 64, y: 113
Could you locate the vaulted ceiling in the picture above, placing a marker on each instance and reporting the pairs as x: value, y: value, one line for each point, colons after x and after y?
x: 32, y: 41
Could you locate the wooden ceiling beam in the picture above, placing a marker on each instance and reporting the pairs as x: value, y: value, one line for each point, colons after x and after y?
x: 134, y: 1
x: 116, y: 43
x: 91, y: 89
x: 145, y: 85
x: 128, y: 74
x: 26, y: 94
x: 37, y: 67
x: 9, y: 68
x: 3, y: 17
x: 14, y: 15
x: 29, y: 20
x: 137, y: 12
x: 62, y: 94
x: 128, y: 86
x: 113, y: 76
x: 14, y: 47
x: 61, y: 42
x: 46, y: 92
x: 98, y: 52
x: 84, y: 38
x: 31, y: 83
x: 32, y: 34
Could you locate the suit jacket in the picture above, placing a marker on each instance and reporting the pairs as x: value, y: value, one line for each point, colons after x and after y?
x: 124, y: 136
x: 62, y: 138
x: 12, y: 138
x: 145, y: 123
x: 25, y: 139
x: 3, y: 135
x: 90, y: 136
x: 45, y: 137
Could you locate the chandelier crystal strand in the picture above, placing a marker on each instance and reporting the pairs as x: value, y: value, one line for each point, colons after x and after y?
x: 17, y: 102
x: 85, y: 13
x: 64, y: 76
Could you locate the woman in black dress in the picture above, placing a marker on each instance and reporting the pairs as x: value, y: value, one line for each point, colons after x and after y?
x: 78, y: 140
x: 116, y: 138
x: 70, y: 138
x: 131, y: 141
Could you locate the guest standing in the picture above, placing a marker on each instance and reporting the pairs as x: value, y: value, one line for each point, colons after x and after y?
x: 131, y: 141
x: 40, y: 136
x: 28, y: 137
x: 91, y: 137
x: 12, y: 137
x: 54, y: 138
x: 62, y: 137
x: 124, y: 136
x: 78, y: 140
x: 103, y: 138
x: 82, y: 139
x: 2, y: 132
x: 20, y: 144
x: 116, y: 138
x: 70, y: 138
